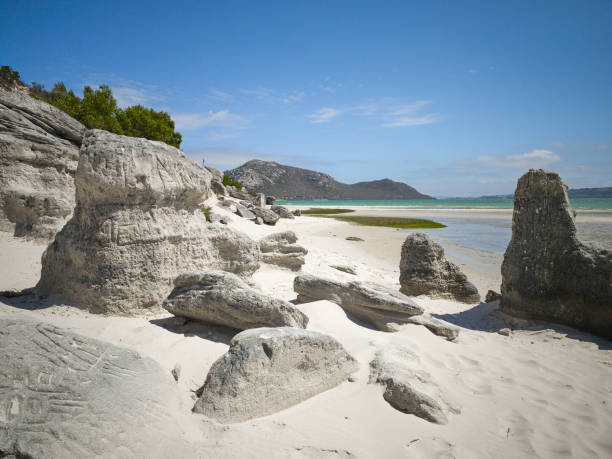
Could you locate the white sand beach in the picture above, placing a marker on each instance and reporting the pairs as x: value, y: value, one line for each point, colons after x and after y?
x: 543, y: 391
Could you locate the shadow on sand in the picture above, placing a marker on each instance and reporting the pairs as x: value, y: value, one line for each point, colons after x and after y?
x: 188, y: 327
x: 28, y: 300
x: 487, y: 317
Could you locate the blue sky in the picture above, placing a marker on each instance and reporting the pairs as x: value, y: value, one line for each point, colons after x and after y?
x: 454, y: 98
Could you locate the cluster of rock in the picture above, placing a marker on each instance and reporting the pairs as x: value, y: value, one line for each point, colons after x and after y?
x: 223, y: 298
x: 254, y: 208
x: 424, y: 270
x: 281, y: 249
x: 39, y: 151
x: 137, y: 226
x: 547, y: 273
x: 269, y: 369
x: 66, y: 395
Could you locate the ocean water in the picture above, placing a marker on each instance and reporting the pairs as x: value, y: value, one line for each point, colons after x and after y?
x: 479, y: 239
x: 465, y: 203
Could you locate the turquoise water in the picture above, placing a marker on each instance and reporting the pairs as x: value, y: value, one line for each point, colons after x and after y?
x: 466, y: 203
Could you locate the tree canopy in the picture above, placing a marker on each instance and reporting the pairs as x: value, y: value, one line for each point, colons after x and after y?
x: 98, y: 109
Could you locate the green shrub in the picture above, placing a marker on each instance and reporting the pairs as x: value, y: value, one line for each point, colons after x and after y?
x: 98, y: 110
x: 9, y: 78
x: 227, y: 181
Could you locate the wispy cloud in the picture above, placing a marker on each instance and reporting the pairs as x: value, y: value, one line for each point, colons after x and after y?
x: 388, y: 112
x: 533, y: 159
x: 218, y: 94
x: 221, y: 118
x: 323, y: 115
x: 127, y: 92
x: 127, y: 96
x: 267, y: 94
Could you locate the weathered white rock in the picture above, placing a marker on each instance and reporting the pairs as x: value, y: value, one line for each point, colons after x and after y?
x: 234, y: 193
x: 39, y: 148
x: 268, y: 217
x: 244, y: 212
x: 408, y: 387
x: 282, y: 211
x: 375, y: 304
x: 424, y: 270
x: 136, y: 227
x: 260, y: 200
x: 269, y: 369
x: 345, y: 269
x: 436, y: 326
x: 223, y: 298
x: 281, y: 249
x: 65, y: 395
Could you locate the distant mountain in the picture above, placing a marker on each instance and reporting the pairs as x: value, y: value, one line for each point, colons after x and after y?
x: 286, y: 182
x: 605, y: 192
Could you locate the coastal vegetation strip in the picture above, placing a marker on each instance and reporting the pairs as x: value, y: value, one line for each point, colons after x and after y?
x: 391, y: 222
x: 325, y: 211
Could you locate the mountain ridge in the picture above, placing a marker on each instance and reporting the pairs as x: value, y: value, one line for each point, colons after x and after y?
x: 294, y: 183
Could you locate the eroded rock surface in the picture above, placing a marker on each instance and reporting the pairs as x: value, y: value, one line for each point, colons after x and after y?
x: 547, y: 273
x: 375, y: 304
x: 268, y: 217
x: 408, y: 387
x: 136, y: 227
x: 223, y: 298
x: 65, y: 395
x: 39, y: 151
x: 424, y: 270
x: 438, y: 327
x: 282, y: 211
x: 281, y: 249
x: 269, y: 369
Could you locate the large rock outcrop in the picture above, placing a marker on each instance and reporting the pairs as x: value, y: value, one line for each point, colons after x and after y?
x: 408, y: 387
x: 223, y: 298
x: 281, y: 249
x: 136, y: 227
x: 375, y: 304
x: 66, y: 395
x: 269, y: 369
x: 547, y: 273
x: 39, y: 151
x: 424, y: 270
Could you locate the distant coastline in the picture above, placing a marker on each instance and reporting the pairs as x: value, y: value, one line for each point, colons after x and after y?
x: 460, y: 203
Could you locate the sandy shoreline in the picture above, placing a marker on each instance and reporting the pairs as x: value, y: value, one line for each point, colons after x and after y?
x: 544, y: 391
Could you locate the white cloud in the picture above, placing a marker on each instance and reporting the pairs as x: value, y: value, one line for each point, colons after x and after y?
x: 217, y: 94
x: 387, y: 111
x: 221, y: 118
x: 533, y: 159
x: 126, y: 92
x: 323, y: 115
x: 267, y: 94
x: 412, y: 121
x: 126, y: 96
x: 295, y: 96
